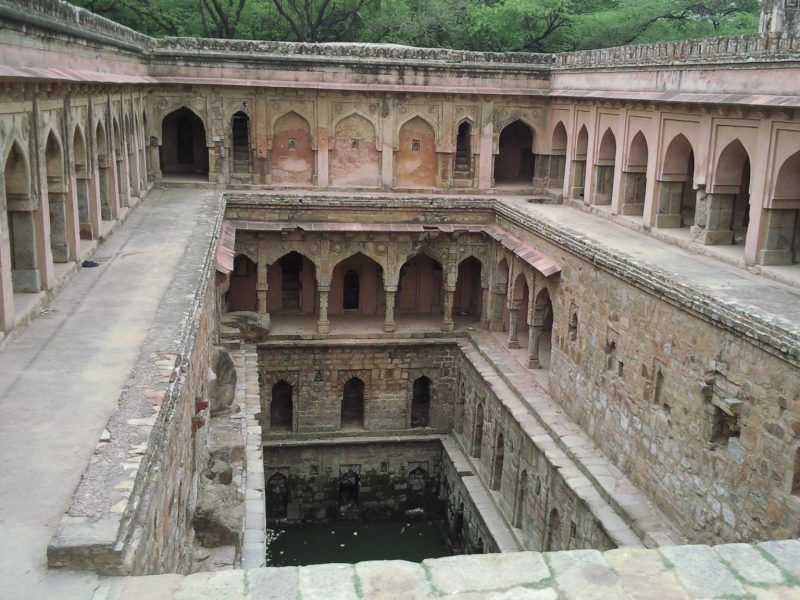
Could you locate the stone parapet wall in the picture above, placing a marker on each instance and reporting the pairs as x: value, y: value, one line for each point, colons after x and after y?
x: 768, y: 570
x: 79, y: 24
x: 132, y: 511
x: 730, y: 49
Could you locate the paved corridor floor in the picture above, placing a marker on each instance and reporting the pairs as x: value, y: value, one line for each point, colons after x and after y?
x: 61, y: 379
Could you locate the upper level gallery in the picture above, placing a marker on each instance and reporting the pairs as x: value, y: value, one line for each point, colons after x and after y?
x: 696, y: 139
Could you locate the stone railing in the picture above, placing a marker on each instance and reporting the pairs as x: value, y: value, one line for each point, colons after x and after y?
x: 341, y: 51
x: 63, y: 17
x: 754, y: 47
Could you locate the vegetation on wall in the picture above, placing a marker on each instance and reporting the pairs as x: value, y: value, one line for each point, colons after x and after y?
x: 494, y: 25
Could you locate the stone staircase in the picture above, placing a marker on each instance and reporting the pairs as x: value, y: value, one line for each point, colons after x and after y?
x: 604, y: 487
x: 462, y: 172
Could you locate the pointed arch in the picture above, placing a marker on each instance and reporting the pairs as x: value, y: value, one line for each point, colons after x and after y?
x: 542, y: 321
x: 357, y: 286
x: 519, y: 501
x: 416, y: 159
x: 352, y: 409
x: 22, y: 234
x: 421, y: 402
x: 477, y: 435
x: 605, y: 165
x: 354, y: 157
x: 578, y: 174
x: 787, y: 182
x: 678, y: 159
x: 729, y: 168
x: 582, y: 143
x: 242, y: 292
x: 183, y: 148
x: 292, y: 157
x: 281, y: 407
x: 292, y: 284
x: 468, y: 297
x: 558, y: 141
x: 80, y: 157
x: 240, y: 143
x: 677, y: 196
x: 498, y: 462
x: 464, y: 168
x: 420, y: 287
x: 514, y: 162
x: 638, y: 154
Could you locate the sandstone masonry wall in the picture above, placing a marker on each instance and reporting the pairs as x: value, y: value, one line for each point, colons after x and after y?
x: 319, y: 372
x: 664, y: 430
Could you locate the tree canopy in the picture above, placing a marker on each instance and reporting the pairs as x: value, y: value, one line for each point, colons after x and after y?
x: 493, y: 25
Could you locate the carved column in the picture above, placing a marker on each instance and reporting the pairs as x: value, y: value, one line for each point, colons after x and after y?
x: 485, y: 307
x: 262, y: 285
x: 498, y: 302
x: 323, y: 325
x: 388, y: 324
x: 447, y: 321
x: 534, y: 331
x: 513, y: 342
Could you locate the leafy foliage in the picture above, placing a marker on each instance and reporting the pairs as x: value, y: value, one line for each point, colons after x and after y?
x: 497, y: 25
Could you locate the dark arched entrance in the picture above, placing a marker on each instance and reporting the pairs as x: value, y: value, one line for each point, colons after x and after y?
x: 514, y: 160
x: 183, y: 144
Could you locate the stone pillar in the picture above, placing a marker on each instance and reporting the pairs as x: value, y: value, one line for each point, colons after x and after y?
x: 498, y: 302
x: 6, y: 289
x: 534, y: 331
x: 779, y: 227
x: 633, y: 192
x: 323, y: 325
x: 388, y: 323
x: 486, y: 156
x: 262, y: 285
x: 541, y: 170
x: 713, y: 219
x: 123, y: 179
x: 111, y: 186
x: 485, y: 307
x: 513, y: 342
x: 670, y: 194
x: 447, y: 321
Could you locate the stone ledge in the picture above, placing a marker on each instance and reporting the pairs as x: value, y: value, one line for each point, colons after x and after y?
x: 691, y: 572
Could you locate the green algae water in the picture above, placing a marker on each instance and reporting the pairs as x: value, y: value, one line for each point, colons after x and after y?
x: 354, y: 541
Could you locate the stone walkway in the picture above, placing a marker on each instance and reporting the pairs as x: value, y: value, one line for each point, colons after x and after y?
x: 724, y: 282
x: 763, y: 571
x: 61, y: 379
x: 555, y: 433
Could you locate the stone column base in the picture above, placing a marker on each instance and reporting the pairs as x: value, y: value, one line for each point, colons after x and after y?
x: 711, y: 238
x: 774, y: 257
x: 323, y: 327
x: 26, y: 281
x: 668, y: 221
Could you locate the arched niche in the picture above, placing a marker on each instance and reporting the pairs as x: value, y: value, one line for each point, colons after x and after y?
x: 292, y: 156
x: 416, y: 159
x: 357, y: 287
x: 354, y: 160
